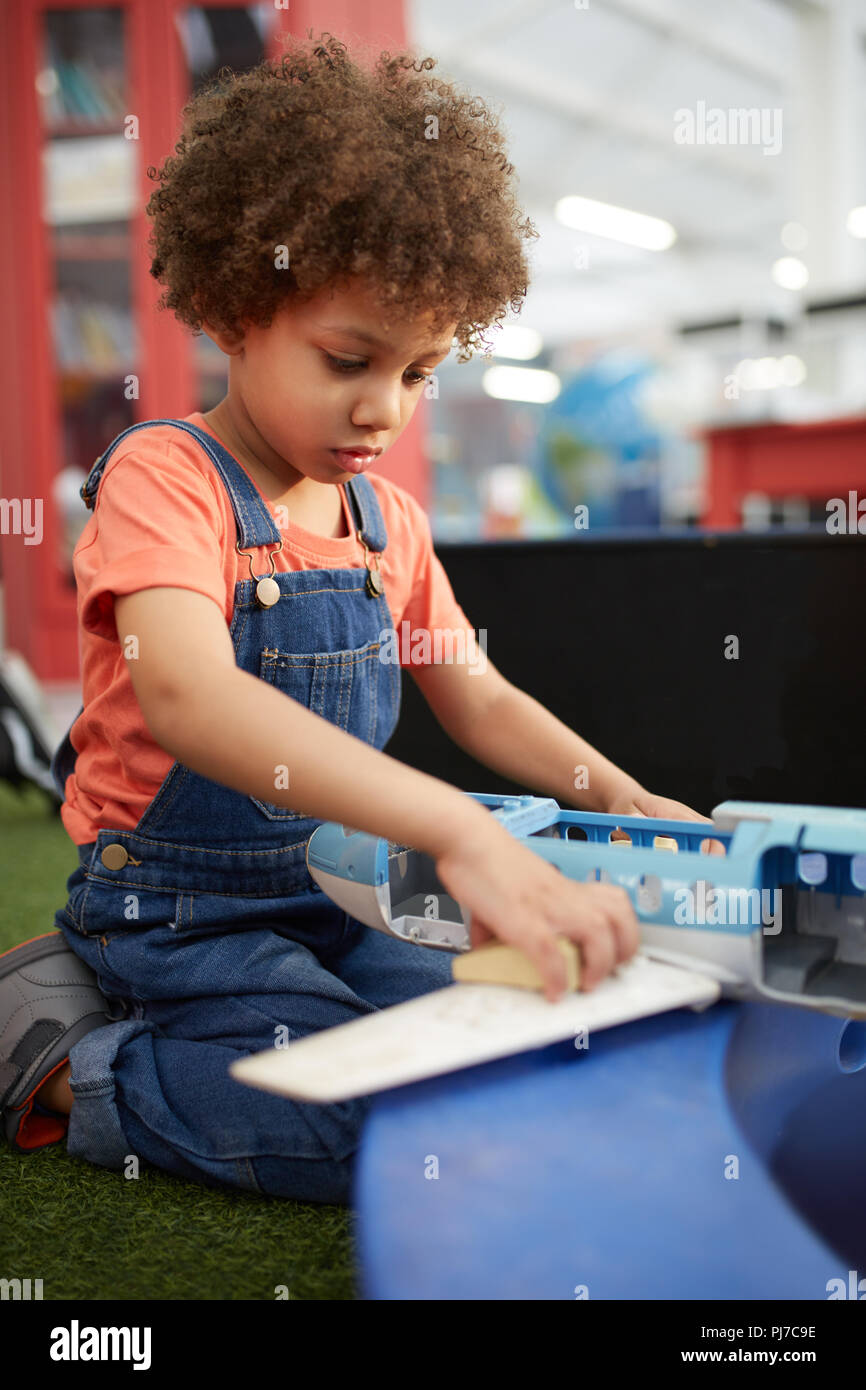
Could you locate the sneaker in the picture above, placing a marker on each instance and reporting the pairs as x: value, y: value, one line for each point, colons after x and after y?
x: 49, y: 999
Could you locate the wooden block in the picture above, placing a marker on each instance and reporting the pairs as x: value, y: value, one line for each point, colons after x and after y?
x: 498, y: 963
x: 665, y: 842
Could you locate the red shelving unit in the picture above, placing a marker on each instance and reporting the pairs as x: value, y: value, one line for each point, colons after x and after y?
x: 818, y: 460
x: 85, y: 352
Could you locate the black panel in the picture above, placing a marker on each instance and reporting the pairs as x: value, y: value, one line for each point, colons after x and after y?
x: 623, y: 639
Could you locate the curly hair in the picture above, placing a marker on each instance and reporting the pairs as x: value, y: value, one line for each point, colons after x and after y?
x: 376, y: 171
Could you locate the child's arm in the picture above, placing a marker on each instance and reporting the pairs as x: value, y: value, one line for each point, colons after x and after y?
x: 511, y: 732
x: 238, y: 730
x: 234, y: 728
x: 508, y: 730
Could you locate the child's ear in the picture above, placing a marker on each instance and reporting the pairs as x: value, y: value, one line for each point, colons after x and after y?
x: 229, y: 343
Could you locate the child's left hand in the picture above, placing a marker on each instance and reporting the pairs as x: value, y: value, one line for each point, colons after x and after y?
x: 643, y: 803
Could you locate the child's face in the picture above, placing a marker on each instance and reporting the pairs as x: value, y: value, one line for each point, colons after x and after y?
x: 293, y: 404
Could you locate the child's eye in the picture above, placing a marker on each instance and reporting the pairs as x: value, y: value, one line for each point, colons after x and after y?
x: 343, y: 364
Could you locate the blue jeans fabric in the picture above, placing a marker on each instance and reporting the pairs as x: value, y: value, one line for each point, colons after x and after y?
x: 156, y: 1084
x: 203, y: 924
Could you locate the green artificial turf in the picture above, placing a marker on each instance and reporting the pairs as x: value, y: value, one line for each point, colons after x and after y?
x: 90, y: 1233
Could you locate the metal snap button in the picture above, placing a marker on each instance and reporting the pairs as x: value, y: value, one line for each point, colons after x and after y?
x: 114, y: 856
x: 267, y: 592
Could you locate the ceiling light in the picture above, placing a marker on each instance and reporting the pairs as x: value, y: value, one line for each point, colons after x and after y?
x: 790, y: 273
x: 766, y: 373
x: 619, y: 224
x: 521, y: 384
x: 792, y: 370
x: 514, y: 340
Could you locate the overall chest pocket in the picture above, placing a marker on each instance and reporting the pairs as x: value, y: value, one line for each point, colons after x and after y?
x: 341, y: 686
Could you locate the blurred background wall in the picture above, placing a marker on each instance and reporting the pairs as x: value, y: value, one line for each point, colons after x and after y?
x: 692, y: 351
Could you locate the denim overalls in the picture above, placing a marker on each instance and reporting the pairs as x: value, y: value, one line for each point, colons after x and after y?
x: 204, y: 928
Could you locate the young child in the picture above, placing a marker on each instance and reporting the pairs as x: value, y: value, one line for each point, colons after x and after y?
x: 333, y: 228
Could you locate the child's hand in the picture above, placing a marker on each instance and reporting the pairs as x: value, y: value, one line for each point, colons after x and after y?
x: 662, y: 808
x: 515, y: 895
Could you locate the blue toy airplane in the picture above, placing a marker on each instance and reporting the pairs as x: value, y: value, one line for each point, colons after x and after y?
x: 780, y: 917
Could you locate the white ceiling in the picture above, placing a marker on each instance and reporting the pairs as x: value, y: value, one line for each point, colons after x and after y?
x: 587, y: 98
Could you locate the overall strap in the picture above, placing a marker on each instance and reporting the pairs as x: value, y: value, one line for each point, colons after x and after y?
x: 255, y: 525
x: 369, y: 521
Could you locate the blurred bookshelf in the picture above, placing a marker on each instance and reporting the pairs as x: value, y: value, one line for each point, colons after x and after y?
x: 89, y: 191
x: 91, y: 96
x: 88, y: 200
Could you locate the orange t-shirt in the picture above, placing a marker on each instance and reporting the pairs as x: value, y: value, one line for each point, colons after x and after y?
x: 163, y: 517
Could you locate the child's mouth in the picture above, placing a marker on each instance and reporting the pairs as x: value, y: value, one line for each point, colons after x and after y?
x: 354, y: 463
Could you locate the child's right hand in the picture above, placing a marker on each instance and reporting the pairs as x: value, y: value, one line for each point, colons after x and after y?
x: 515, y: 895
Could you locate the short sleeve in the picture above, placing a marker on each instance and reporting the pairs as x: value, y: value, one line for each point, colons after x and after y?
x: 432, y: 606
x: 157, y: 523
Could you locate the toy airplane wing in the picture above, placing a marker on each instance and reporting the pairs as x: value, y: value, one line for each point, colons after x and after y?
x: 460, y: 1026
